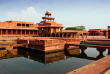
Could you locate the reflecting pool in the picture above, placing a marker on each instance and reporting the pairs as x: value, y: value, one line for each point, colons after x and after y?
x: 25, y: 61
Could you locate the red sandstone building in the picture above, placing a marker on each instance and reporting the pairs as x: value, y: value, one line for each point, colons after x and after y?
x: 46, y: 28
x: 18, y: 28
x: 97, y: 32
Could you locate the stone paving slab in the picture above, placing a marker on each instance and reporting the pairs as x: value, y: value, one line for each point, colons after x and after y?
x: 108, y: 72
x: 98, y: 67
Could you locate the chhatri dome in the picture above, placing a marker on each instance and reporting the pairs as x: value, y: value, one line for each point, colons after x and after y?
x: 48, y: 22
x: 48, y: 13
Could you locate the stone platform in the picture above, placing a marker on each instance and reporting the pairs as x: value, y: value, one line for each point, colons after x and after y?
x: 48, y: 44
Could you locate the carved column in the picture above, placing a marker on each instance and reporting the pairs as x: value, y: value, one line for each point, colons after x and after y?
x: 6, y: 31
x: 62, y: 34
x: 1, y: 31
x: 12, y: 32
x: 21, y: 32
x: 29, y: 32
x: 16, y: 32
x: 25, y: 32
x: 33, y: 32
x: 66, y: 34
x: 109, y: 51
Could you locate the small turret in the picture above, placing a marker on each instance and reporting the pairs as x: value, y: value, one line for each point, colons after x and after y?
x: 48, y: 13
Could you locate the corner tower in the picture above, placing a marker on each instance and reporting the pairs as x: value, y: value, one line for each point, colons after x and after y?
x: 48, y: 27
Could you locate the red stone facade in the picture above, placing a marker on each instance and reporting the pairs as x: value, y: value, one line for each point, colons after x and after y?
x: 97, y: 32
x: 47, y: 27
x: 17, y: 28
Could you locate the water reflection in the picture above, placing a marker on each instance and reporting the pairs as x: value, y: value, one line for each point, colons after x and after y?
x: 42, y: 57
x: 25, y: 61
x: 62, y: 55
x: 84, y: 55
x: 5, y: 54
x: 51, y: 57
x: 101, y: 50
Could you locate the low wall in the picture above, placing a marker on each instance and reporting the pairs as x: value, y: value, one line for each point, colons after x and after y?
x: 48, y: 43
x: 8, y: 42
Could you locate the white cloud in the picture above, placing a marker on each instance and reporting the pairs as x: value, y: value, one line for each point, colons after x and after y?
x: 30, y: 15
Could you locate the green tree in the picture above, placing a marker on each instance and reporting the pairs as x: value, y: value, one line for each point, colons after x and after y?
x: 81, y: 28
x: 71, y: 28
x: 6, y: 21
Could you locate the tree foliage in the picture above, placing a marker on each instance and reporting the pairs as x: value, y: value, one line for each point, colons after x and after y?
x: 81, y: 28
x: 71, y: 28
x: 6, y: 21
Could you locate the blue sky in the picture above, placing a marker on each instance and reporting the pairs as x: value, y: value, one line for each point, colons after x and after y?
x: 92, y: 14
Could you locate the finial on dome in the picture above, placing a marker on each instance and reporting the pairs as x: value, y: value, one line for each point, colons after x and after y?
x: 48, y: 13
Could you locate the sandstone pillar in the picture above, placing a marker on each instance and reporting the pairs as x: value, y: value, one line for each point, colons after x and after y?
x: 108, y: 51
x: 1, y: 31
x: 6, y: 32
x: 11, y: 32
x: 25, y: 32
x: 66, y: 34
x: 29, y: 32
x: 71, y: 35
x: 33, y: 32
x: 21, y: 31
x: 16, y: 32
x: 62, y: 34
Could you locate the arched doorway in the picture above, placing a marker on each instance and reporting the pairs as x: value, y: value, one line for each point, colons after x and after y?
x: 53, y: 35
x: 69, y: 35
x: 48, y: 35
x: 65, y: 35
x: 45, y: 35
x: 61, y: 35
x: 57, y: 35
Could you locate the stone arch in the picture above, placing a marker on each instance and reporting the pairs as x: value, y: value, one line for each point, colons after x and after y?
x: 48, y: 35
x: 53, y: 35
x: 57, y: 35
x: 64, y: 34
x: 61, y: 35
x: 45, y: 35
x: 69, y: 35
